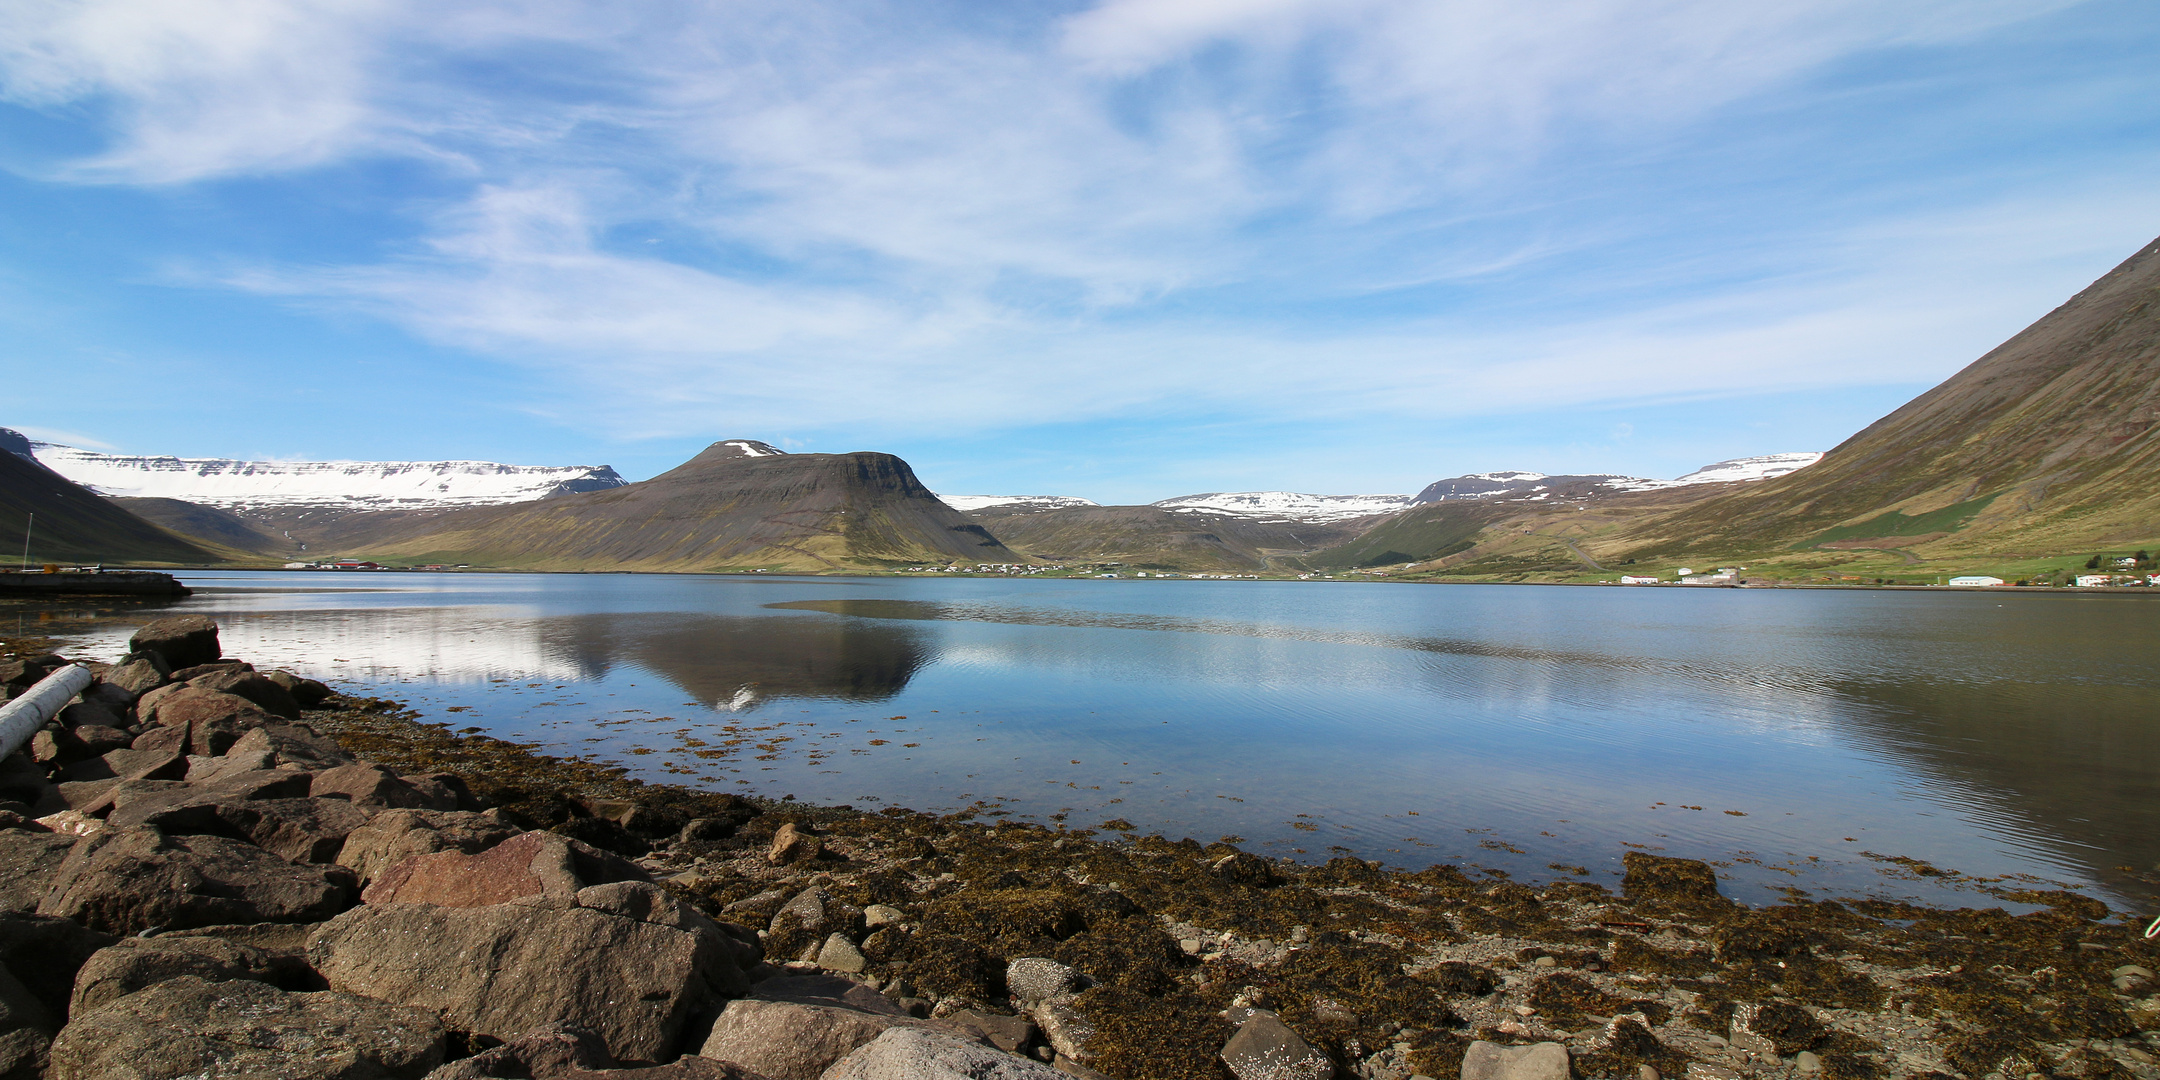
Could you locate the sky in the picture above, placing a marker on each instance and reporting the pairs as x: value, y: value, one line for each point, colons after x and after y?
x: 1124, y: 250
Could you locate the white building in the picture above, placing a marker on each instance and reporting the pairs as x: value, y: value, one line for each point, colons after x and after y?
x: 2095, y: 581
x: 1633, y: 579
x: 1976, y: 579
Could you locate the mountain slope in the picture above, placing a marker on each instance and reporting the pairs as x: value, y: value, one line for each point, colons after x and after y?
x: 2047, y: 443
x: 1154, y: 537
x: 209, y: 523
x: 737, y: 504
x: 75, y: 524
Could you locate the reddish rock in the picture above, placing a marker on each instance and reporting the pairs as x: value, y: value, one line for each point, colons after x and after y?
x: 308, y: 692
x: 267, y: 695
x: 372, y: 785
x: 200, y: 670
x: 394, y: 836
x: 528, y: 864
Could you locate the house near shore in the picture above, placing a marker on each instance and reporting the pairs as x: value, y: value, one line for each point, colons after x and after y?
x: 1638, y: 579
x: 1970, y: 580
x: 2095, y: 581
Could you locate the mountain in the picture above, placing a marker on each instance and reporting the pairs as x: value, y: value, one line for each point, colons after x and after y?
x: 73, y: 524
x: 199, y: 522
x: 968, y: 503
x: 321, y: 485
x: 1509, y: 484
x: 2045, y: 445
x: 1286, y: 505
x: 1159, y: 538
x: 738, y: 504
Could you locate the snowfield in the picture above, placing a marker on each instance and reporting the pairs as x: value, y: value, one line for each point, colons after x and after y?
x: 1286, y: 505
x: 965, y: 503
x: 1724, y: 472
x: 345, y: 485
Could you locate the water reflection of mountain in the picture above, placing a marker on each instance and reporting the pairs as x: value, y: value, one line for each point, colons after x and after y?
x: 2074, y: 763
x: 718, y: 659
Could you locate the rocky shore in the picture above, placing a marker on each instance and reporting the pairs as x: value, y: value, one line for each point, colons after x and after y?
x: 208, y: 870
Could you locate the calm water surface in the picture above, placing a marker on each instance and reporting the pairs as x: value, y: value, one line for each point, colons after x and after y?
x: 1799, y: 738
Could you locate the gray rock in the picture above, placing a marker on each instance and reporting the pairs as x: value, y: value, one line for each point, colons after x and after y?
x: 129, y: 880
x: 393, y: 836
x: 840, y: 954
x: 30, y: 860
x: 877, y: 915
x: 183, y: 640
x: 133, y: 964
x: 191, y: 1027
x: 1264, y: 1048
x: 296, y: 830
x: 1491, y: 1061
x: 1808, y: 1063
x: 1035, y: 979
x: 904, y: 1053
x: 788, y: 1040
x: 758, y: 909
x: 91, y: 714
x: 801, y: 926
x: 635, y: 984
x: 213, y: 719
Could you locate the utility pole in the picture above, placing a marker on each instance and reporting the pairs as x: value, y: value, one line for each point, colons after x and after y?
x: 32, y: 524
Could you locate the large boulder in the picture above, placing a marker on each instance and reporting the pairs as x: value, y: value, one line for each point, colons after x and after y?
x: 296, y: 745
x: 267, y: 695
x: 192, y: 1027
x: 1265, y: 1048
x: 792, y: 1040
x: 293, y: 829
x: 534, y: 864
x: 137, y: 675
x: 30, y: 859
x: 45, y: 954
x: 624, y: 961
x: 909, y: 1053
x: 183, y: 640
x: 132, y: 964
x: 394, y: 836
x: 213, y: 719
x: 803, y: 924
x: 129, y: 880
x: 1537, y: 1061
x: 308, y: 692
x: 368, y: 784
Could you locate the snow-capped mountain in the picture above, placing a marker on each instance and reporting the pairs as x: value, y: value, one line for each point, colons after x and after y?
x: 342, y: 485
x: 1286, y: 505
x: 1532, y: 485
x: 1724, y: 472
x: 965, y: 503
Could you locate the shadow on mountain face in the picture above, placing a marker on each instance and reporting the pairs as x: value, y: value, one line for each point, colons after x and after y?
x: 734, y: 661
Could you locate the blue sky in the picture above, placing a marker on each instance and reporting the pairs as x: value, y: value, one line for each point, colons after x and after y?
x: 1124, y: 250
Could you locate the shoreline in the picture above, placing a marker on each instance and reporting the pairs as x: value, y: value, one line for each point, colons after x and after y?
x: 1340, y: 950
x: 1165, y: 954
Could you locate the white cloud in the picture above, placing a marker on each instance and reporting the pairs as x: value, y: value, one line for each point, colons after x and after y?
x: 858, y: 215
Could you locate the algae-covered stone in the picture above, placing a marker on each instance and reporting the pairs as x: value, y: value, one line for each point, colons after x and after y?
x: 1655, y: 877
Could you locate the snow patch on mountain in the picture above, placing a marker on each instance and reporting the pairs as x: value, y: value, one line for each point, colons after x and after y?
x: 343, y: 485
x: 965, y: 503
x: 1286, y: 505
x: 1762, y: 467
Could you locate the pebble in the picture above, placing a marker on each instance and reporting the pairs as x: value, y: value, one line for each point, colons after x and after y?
x: 1645, y: 1072
x: 1546, y: 962
x: 877, y: 915
x: 1807, y: 1061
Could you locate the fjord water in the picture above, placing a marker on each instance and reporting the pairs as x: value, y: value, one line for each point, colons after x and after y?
x: 1800, y: 738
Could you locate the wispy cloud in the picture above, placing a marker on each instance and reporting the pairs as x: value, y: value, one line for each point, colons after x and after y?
x: 785, y: 216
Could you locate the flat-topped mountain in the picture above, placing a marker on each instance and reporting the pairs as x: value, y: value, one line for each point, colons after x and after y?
x: 739, y: 503
x: 245, y: 486
x: 1286, y: 505
x: 74, y: 524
